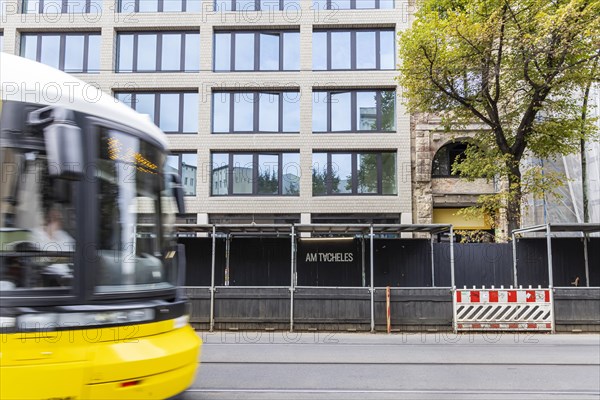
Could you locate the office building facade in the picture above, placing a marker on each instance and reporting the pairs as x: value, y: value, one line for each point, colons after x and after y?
x: 276, y: 110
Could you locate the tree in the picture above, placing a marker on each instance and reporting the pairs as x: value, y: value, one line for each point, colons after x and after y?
x: 514, y: 67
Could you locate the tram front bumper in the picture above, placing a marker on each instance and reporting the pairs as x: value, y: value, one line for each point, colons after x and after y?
x: 150, y: 366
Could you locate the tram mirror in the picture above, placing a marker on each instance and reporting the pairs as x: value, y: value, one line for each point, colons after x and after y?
x: 63, y: 140
x: 178, y: 192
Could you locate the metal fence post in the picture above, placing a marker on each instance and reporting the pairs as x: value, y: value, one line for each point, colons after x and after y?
x: 372, y: 288
x: 292, y: 274
x: 432, y: 263
x: 514, y: 252
x: 586, y: 259
x: 212, y: 280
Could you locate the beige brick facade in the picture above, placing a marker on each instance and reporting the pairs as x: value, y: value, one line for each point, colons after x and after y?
x: 109, y: 23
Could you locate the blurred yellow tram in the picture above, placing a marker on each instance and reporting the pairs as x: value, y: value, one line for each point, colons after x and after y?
x: 89, y: 268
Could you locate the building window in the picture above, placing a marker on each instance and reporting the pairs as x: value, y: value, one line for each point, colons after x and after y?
x: 163, y: 52
x: 257, y: 51
x: 355, y: 173
x: 70, y: 52
x: 173, y: 112
x: 445, y: 157
x: 1, y: 41
x: 351, y: 4
x: 256, y: 5
x: 359, y: 49
x: 258, y: 174
x: 354, y: 111
x: 269, y: 219
x: 61, y: 6
x: 159, y: 6
x: 186, y: 165
x: 256, y: 112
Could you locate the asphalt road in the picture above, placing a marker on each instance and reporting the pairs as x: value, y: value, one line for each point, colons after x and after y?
x: 317, y: 365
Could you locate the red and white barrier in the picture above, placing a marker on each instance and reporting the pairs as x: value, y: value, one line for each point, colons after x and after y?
x: 503, y: 309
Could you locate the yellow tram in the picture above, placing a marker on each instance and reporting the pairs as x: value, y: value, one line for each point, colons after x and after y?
x: 89, y: 268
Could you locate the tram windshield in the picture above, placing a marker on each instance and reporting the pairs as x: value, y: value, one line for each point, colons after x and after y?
x: 136, y: 207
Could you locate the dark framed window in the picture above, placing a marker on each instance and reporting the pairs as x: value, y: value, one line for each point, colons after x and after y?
x: 351, y: 4
x: 356, y: 49
x: 69, y: 52
x: 255, y: 174
x: 158, y: 52
x: 61, y: 6
x: 159, y: 6
x: 256, y: 51
x: 254, y: 218
x: 354, y: 111
x: 256, y: 112
x: 354, y: 173
x: 173, y: 112
x: 186, y: 165
x: 445, y: 157
x: 256, y: 5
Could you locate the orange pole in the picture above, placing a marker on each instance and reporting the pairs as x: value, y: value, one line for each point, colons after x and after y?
x: 387, y: 308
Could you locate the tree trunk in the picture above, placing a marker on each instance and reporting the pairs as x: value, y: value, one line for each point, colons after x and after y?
x: 513, y: 209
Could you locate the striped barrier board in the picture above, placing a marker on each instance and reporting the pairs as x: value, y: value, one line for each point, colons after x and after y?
x: 503, y: 309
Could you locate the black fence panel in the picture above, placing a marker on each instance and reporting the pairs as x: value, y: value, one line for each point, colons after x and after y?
x: 594, y: 261
x: 402, y: 262
x: 252, y: 308
x: 198, y: 253
x: 260, y: 262
x: 577, y: 309
x: 325, y: 308
x: 567, y: 261
x: 331, y: 262
x: 475, y: 264
x: 414, y: 309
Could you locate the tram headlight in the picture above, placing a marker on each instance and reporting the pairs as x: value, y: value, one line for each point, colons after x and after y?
x: 106, y: 317
x: 51, y: 321
x: 180, y: 322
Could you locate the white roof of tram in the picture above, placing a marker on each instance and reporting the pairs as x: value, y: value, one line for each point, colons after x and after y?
x: 28, y: 81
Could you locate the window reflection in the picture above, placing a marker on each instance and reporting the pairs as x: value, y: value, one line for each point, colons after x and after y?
x: 269, y: 52
x: 171, y: 48
x: 340, y: 50
x: 353, y: 49
x: 220, y: 174
x: 242, y: 173
x: 222, y: 51
x: 186, y: 165
x: 365, y: 50
x: 140, y: 52
x: 177, y: 113
x: 146, y: 53
x: 244, y: 52
x: 70, y: 52
x: 373, y: 111
x: 271, y: 174
x: 268, y: 116
x: 243, y: 112
x: 221, y: 109
x: 169, y: 112
x: 50, y: 51
x: 268, y: 174
x: 290, y: 180
x: 366, y: 114
x: 340, y: 111
x: 260, y: 112
x: 367, y: 170
x: 354, y: 173
x: 341, y: 173
x: 256, y: 51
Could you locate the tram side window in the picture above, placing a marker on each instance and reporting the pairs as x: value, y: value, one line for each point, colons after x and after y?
x: 37, y: 223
